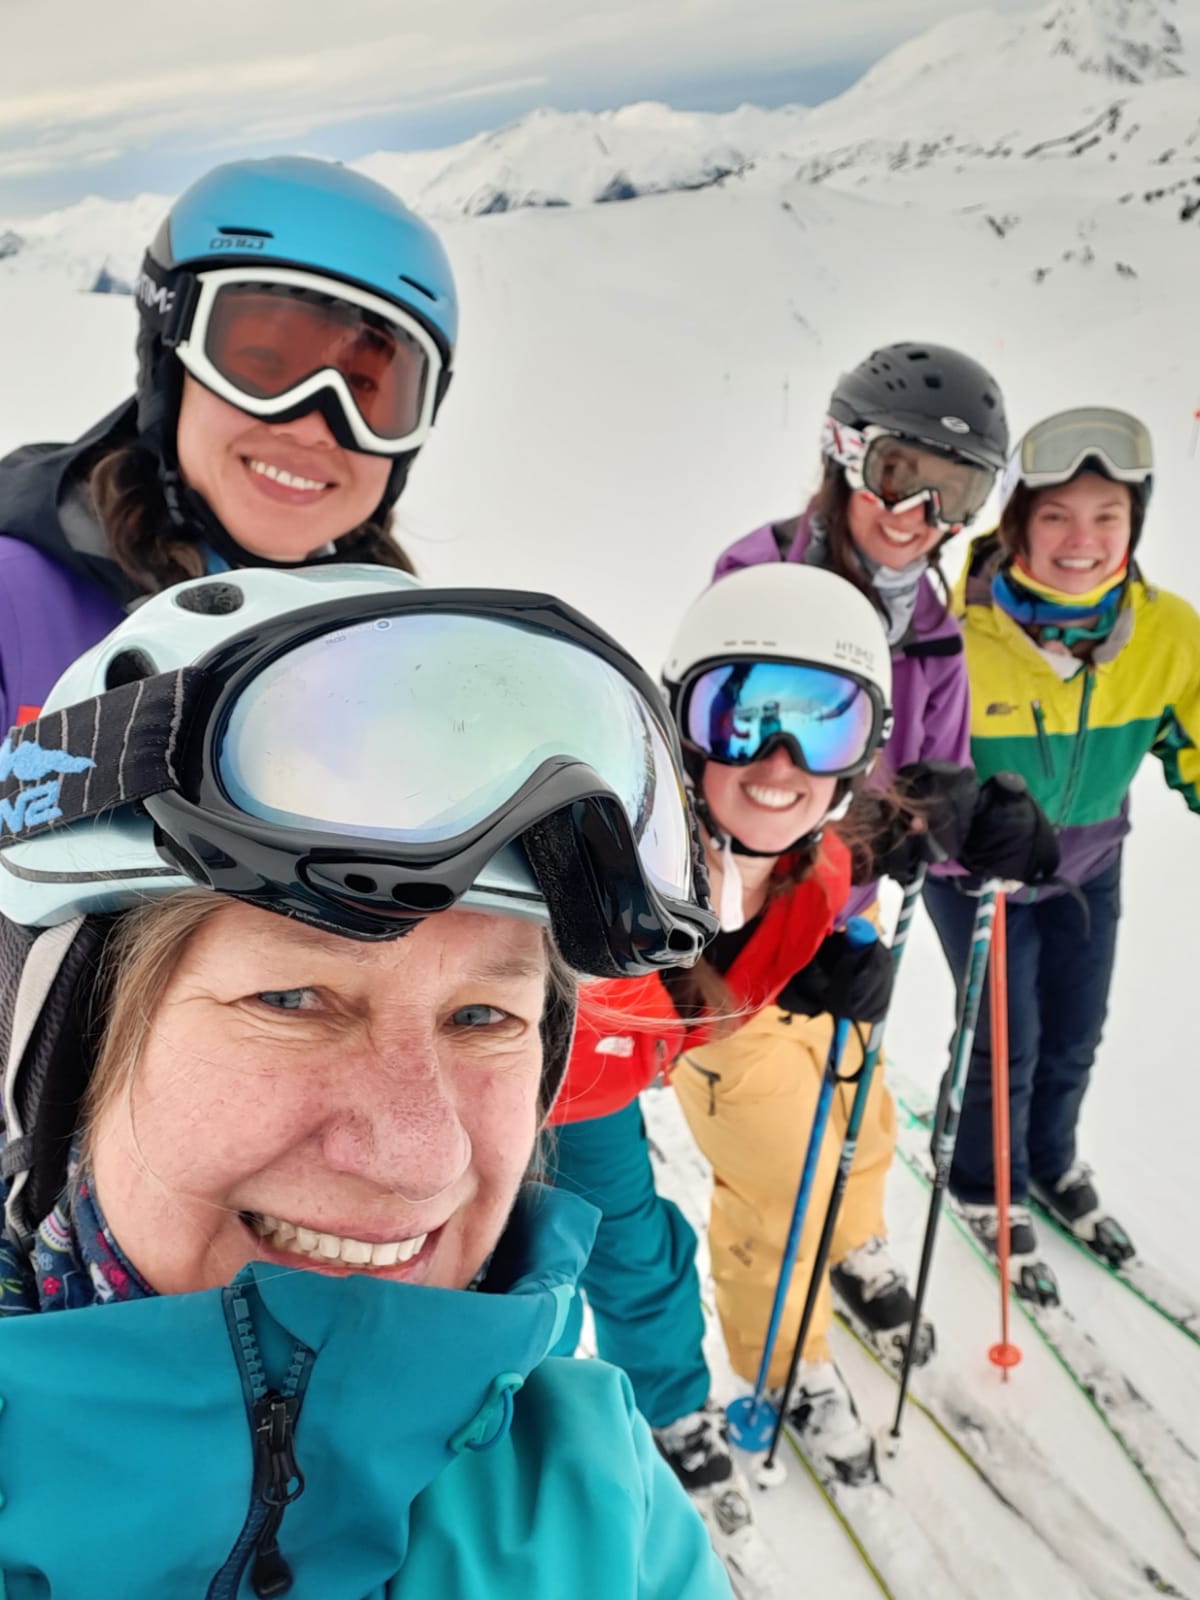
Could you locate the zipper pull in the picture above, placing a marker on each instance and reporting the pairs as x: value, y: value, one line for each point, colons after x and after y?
x: 270, y: 1575
x: 280, y: 1482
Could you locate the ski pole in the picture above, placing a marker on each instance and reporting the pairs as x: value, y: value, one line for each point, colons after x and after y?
x: 949, y: 1112
x: 1005, y: 1354
x: 751, y: 1418
x: 767, y: 1473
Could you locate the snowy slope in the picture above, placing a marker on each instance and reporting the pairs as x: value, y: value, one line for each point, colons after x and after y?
x: 639, y: 384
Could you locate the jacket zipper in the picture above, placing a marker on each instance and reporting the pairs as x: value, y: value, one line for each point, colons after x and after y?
x: 278, y: 1481
x: 1077, y: 751
x: 1039, y: 723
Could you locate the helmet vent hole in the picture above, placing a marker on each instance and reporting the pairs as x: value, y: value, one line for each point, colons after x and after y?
x: 413, y: 283
x: 246, y: 233
x: 360, y: 883
x: 932, y: 381
x: 131, y: 666
x: 918, y: 355
x: 423, y: 897
x: 211, y: 599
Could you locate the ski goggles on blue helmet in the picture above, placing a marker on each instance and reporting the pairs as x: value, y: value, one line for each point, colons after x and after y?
x: 359, y: 763
x: 901, y: 473
x: 1112, y: 443
x: 278, y: 342
x: 829, y: 722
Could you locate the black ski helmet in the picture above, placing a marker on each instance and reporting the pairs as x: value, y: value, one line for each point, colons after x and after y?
x: 930, y: 394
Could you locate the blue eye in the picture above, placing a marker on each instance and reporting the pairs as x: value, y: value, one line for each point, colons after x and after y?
x: 287, y: 999
x: 478, y: 1017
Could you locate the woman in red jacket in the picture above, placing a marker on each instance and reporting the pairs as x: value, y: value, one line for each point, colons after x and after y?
x: 771, y: 667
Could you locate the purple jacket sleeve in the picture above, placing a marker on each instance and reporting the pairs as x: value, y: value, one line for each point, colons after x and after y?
x: 947, y: 723
x: 751, y: 551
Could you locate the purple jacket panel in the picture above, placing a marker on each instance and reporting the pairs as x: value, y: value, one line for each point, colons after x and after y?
x: 930, y: 695
x: 48, y: 618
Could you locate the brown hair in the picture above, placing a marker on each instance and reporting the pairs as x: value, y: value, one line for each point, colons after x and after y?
x: 128, y: 501
x: 143, y: 954
x: 831, y: 508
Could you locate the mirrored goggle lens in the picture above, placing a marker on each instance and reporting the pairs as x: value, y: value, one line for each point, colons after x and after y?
x: 1058, y: 447
x: 735, y: 711
x: 416, y: 728
x: 895, y: 470
x: 266, y: 339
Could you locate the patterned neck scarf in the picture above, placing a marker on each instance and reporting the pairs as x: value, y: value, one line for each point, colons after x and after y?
x: 75, y: 1259
x: 897, y: 589
x: 1052, y: 614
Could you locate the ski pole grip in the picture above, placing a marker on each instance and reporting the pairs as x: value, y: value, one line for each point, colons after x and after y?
x: 860, y: 933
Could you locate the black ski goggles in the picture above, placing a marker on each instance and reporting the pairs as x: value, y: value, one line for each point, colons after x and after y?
x: 735, y: 712
x: 360, y: 763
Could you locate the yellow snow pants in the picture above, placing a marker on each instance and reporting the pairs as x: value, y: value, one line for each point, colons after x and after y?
x: 749, y: 1100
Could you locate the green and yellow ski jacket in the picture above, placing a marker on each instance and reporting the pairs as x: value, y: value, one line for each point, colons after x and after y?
x: 1079, y: 744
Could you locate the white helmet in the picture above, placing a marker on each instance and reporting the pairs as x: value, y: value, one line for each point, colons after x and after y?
x: 782, y: 654
x: 784, y: 611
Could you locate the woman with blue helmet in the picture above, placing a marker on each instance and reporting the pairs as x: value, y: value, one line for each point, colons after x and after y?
x: 296, y: 872
x: 296, y: 333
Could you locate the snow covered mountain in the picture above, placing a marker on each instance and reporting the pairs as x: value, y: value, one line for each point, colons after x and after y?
x: 1100, y: 95
x: 553, y: 158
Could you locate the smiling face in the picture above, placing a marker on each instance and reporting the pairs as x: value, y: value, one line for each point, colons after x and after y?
x: 889, y: 538
x: 767, y: 804
x: 281, y: 490
x: 320, y: 1103
x: 1077, y: 534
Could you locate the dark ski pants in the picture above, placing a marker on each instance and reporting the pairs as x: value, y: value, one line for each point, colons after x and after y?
x: 1059, y: 973
x: 641, y: 1279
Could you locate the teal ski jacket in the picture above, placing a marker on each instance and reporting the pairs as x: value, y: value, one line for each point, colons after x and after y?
x: 339, y: 1439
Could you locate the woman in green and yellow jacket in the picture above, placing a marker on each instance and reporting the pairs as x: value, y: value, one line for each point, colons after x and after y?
x: 1078, y: 669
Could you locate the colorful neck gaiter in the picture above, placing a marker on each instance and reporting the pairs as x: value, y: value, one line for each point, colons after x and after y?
x: 1055, y: 615
x: 76, y: 1261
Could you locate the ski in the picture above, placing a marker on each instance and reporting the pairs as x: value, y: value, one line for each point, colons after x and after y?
x: 1139, y: 1276
x: 753, y: 1569
x: 896, y: 1550
x: 1165, y: 1463
x: 1012, y: 1465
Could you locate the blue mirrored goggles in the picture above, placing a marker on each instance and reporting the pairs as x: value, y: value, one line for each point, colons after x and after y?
x: 830, y: 723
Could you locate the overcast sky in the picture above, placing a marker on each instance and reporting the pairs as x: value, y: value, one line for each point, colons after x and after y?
x: 115, y: 97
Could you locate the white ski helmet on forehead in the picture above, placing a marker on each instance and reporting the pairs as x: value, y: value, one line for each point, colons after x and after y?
x: 781, y: 612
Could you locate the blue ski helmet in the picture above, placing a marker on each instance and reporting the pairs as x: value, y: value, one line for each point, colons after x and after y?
x: 285, y: 211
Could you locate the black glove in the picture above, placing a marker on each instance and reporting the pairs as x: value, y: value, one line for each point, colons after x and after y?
x: 1010, y: 835
x: 842, y: 980
x: 944, y: 799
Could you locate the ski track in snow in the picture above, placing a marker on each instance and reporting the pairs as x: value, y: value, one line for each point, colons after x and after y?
x: 1045, y: 1443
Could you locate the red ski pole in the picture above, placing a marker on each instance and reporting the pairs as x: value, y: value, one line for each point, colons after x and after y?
x: 1005, y: 1354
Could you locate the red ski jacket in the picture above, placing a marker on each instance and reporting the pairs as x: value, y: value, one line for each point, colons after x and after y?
x: 628, y: 1030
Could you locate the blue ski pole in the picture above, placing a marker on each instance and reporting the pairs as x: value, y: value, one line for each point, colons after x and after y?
x: 752, y: 1417
x: 767, y: 1472
x: 950, y: 1111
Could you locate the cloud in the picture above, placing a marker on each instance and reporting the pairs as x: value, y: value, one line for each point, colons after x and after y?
x: 229, y: 73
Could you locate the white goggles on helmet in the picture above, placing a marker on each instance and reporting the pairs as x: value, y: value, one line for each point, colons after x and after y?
x: 277, y: 343
x: 1053, y: 451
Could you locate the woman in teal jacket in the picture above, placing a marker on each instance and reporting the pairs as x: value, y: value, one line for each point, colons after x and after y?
x: 268, y: 1156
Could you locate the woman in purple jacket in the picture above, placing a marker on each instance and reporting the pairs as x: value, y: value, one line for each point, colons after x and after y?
x: 296, y: 332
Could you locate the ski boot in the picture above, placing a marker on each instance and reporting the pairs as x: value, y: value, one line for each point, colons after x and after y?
x: 697, y: 1449
x: 1032, y: 1278
x: 825, y: 1424
x: 1075, y: 1206
x: 879, y: 1305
